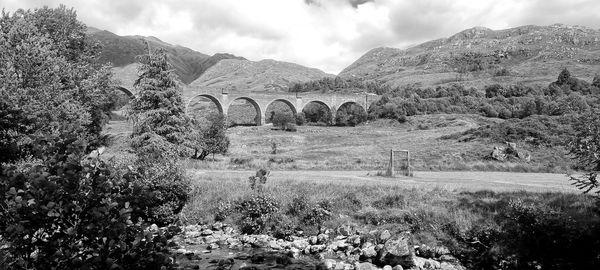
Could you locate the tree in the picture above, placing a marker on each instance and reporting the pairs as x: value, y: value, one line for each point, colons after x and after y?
x: 585, y: 147
x: 62, y: 207
x: 160, y: 123
x: 49, y: 79
x: 209, y: 138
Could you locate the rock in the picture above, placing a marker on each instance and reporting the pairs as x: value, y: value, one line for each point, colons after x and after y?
x: 212, y: 246
x: 387, y: 267
x: 343, y: 266
x: 154, y: 227
x: 228, y: 230
x: 193, y: 234
x: 300, y: 244
x: 384, y: 236
x: 353, y: 240
x: 217, y: 226
x: 368, y: 252
x: 274, y: 245
x: 313, y: 240
x: 181, y: 251
x: 365, y: 266
x: 498, y: 154
x: 422, y: 263
x: 448, y: 258
x: 398, y: 267
x: 206, y: 232
x: 344, y: 230
x: 397, y: 251
x: 322, y: 238
x: 317, y: 248
x: 294, y: 252
x: 329, y: 264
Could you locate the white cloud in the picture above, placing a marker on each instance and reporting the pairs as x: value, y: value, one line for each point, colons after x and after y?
x: 326, y: 34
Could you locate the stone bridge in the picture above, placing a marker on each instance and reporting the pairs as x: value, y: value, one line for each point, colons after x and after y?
x: 261, y: 101
x: 296, y: 102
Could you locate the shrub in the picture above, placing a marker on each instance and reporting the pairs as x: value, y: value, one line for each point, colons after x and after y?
x: 283, y: 120
x: 489, y: 111
x: 300, y: 119
x: 256, y: 212
x: 162, y: 188
x: 80, y: 215
x: 259, y: 180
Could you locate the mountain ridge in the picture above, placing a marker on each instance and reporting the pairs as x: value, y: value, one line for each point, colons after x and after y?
x: 478, y: 56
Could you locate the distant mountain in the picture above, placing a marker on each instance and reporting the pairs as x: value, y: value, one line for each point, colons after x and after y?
x: 479, y: 56
x: 264, y: 75
x: 122, y: 50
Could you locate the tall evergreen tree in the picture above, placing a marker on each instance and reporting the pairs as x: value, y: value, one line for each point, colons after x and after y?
x: 160, y: 123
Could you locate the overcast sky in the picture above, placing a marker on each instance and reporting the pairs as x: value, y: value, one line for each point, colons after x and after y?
x: 325, y: 34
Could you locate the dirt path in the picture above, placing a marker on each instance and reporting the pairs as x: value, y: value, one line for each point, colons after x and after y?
x: 460, y: 180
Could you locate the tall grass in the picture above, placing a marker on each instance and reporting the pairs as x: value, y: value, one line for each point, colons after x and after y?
x: 435, y: 216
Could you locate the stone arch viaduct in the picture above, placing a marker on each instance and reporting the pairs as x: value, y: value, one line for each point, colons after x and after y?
x: 261, y: 101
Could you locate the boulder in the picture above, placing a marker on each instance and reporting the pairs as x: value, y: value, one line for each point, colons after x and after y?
x: 322, y: 238
x: 384, y: 236
x: 300, y: 244
x: 313, y: 240
x: 398, y: 251
x: 368, y: 252
x: 498, y: 154
x: 365, y: 266
x: 329, y: 264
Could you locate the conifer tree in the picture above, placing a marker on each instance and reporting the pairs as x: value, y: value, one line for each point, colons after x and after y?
x: 160, y: 123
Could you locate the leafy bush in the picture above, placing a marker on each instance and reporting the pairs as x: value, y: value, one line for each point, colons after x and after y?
x: 350, y: 114
x: 259, y: 180
x: 257, y: 212
x: 76, y: 214
x: 300, y: 119
x: 283, y: 120
x: 162, y: 188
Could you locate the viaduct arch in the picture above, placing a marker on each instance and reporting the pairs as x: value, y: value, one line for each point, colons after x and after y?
x: 261, y: 101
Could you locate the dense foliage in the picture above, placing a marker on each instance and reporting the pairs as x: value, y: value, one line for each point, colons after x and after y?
x: 317, y: 113
x: 62, y: 206
x: 49, y: 80
x: 284, y: 121
x: 208, y: 136
x: 350, y: 114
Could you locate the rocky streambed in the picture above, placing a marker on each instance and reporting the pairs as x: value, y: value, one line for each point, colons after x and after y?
x: 220, y: 246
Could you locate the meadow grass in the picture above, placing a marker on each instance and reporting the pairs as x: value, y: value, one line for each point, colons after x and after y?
x: 364, y: 147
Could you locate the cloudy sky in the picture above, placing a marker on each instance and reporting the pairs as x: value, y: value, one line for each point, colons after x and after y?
x: 326, y: 34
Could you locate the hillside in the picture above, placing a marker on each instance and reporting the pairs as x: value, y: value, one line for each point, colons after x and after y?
x: 121, y: 52
x: 480, y: 56
x: 264, y: 75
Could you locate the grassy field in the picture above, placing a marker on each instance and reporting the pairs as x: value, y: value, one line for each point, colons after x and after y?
x: 364, y: 147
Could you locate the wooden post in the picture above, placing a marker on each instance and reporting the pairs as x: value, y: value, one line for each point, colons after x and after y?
x: 391, y: 162
x: 408, y: 162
